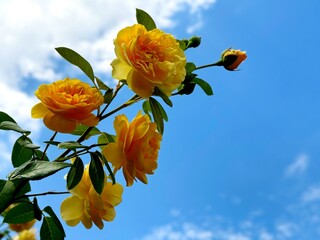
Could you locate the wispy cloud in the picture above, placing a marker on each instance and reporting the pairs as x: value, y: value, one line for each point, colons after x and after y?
x: 298, y: 166
x: 311, y: 194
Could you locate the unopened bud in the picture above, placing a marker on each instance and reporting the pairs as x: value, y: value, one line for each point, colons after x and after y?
x: 232, y: 58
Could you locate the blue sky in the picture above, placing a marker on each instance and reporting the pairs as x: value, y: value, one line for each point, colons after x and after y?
x: 240, y: 165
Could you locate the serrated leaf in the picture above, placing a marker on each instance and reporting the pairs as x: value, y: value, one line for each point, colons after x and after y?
x: 204, y: 85
x: 21, y: 213
x: 50, y: 231
x: 71, y: 145
x: 145, y: 19
x: 36, y: 210
x: 6, y: 125
x: 5, y: 117
x: 54, y: 217
x: 76, y: 59
x: 20, y: 153
x: 36, y: 170
x: 96, y: 173
x: 75, y: 173
x: 108, y: 167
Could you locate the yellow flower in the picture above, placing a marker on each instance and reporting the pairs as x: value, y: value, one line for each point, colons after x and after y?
x: 22, y: 226
x: 136, y: 147
x: 87, y: 206
x: 148, y: 59
x: 29, y: 234
x: 67, y: 103
x: 232, y: 58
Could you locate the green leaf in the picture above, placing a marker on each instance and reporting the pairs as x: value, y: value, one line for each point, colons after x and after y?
x: 36, y: 170
x: 204, y: 85
x: 71, y: 145
x: 10, y: 191
x: 36, y: 210
x: 77, y: 60
x: 106, y: 138
x: 96, y: 173
x: 5, y: 117
x: 20, y: 153
x: 6, y: 125
x: 50, y: 230
x: 145, y: 19
x: 102, y: 85
x: 80, y: 129
x: 183, y: 44
x: 190, y: 67
x: 165, y: 98
x: 39, y: 155
x: 108, y: 167
x: 21, y: 213
x: 108, y: 96
x: 54, y: 217
x: 55, y: 143
x: 75, y: 173
x: 158, y: 114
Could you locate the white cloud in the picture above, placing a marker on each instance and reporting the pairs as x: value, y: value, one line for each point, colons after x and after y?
x: 311, y: 194
x: 298, y: 166
x: 285, y: 229
x: 31, y: 29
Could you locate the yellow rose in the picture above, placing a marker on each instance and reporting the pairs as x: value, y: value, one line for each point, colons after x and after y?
x: 29, y: 234
x: 136, y: 147
x: 232, y: 58
x: 148, y: 59
x: 67, y: 103
x: 22, y: 226
x: 87, y: 206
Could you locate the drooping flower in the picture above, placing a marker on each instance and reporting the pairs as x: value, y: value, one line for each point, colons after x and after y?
x: 232, y: 58
x: 87, y: 206
x: 67, y: 103
x: 19, y: 227
x: 148, y: 59
x: 29, y: 234
x: 135, y: 148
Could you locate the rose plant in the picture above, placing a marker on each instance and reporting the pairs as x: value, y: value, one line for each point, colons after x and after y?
x: 153, y: 65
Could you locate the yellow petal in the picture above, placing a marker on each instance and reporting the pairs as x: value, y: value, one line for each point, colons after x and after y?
x: 139, y: 84
x: 112, y: 194
x: 120, y: 69
x: 58, y: 123
x: 71, y: 208
x: 110, y: 214
x: 39, y: 110
x: 91, y: 121
x: 114, y: 154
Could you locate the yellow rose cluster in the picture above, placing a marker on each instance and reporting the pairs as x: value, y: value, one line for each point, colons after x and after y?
x: 66, y: 104
x: 136, y: 147
x: 151, y: 63
x: 148, y: 59
x: 87, y: 206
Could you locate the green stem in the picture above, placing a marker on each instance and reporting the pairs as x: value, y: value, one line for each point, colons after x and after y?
x: 47, y: 146
x: 45, y: 193
x: 219, y: 63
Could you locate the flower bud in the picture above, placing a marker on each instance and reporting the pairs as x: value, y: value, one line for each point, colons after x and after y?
x: 232, y: 58
x: 194, y: 42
